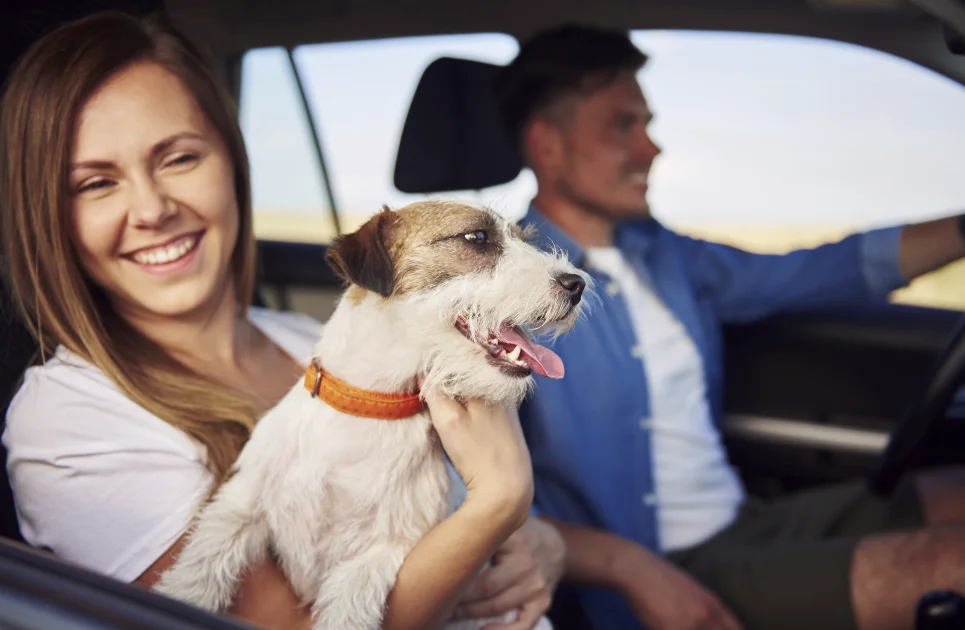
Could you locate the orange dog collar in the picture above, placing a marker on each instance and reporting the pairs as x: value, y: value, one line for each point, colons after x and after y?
x: 359, y: 402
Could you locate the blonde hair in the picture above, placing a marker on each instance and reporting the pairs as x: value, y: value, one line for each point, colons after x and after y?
x: 61, y: 306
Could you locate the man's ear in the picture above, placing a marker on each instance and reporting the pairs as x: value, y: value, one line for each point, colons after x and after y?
x: 543, y: 144
x: 362, y: 257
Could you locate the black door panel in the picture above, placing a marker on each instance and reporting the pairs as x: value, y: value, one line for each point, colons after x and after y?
x: 811, y: 397
x: 40, y: 592
x: 295, y: 276
x: 295, y: 264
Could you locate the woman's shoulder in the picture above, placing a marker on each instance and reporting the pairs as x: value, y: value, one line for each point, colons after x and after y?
x: 64, y: 378
x: 66, y: 401
x: 97, y: 479
x: 296, y: 333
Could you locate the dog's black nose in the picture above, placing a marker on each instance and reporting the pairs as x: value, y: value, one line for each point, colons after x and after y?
x: 574, y: 285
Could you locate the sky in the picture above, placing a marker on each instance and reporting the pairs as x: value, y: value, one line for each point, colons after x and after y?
x: 755, y: 129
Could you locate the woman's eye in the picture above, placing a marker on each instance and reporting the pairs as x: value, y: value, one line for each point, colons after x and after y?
x: 97, y: 184
x: 478, y: 237
x: 181, y: 160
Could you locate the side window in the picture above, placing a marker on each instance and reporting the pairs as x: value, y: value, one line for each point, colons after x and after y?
x: 288, y: 192
x: 358, y: 94
x: 775, y: 142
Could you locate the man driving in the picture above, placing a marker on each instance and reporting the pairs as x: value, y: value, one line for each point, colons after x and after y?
x: 627, y: 450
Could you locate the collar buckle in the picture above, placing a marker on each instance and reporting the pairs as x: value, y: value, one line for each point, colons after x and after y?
x: 318, y: 377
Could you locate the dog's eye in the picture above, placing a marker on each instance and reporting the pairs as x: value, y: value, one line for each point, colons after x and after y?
x: 478, y: 237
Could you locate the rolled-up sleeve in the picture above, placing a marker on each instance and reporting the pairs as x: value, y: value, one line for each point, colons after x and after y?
x: 859, y: 268
x: 880, y: 250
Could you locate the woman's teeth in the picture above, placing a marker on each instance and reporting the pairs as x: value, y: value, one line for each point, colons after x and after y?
x: 163, y: 255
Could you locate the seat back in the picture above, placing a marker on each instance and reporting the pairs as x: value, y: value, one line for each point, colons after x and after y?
x: 452, y: 138
x: 17, y: 349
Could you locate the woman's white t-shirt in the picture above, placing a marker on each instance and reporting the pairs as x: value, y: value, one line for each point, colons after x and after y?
x: 98, y: 480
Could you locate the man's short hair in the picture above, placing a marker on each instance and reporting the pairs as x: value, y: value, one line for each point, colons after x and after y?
x: 569, y: 59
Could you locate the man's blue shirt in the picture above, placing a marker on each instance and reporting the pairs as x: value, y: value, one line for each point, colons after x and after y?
x: 588, y: 433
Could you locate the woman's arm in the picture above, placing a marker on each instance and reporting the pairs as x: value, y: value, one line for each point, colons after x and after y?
x: 441, y: 565
x: 264, y: 597
x: 486, y: 446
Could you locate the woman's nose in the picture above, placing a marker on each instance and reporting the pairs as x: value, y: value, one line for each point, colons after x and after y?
x: 150, y: 206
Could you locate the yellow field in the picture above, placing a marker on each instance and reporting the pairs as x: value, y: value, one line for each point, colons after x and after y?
x: 944, y: 288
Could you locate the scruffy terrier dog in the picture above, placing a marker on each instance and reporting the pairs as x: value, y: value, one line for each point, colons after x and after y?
x: 441, y: 291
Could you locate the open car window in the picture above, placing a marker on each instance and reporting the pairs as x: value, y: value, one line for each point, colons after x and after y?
x: 288, y: 193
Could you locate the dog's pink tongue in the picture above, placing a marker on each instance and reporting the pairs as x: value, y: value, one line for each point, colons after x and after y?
x: 539, y: 359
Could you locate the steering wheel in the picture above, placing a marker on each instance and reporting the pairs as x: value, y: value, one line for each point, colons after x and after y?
x: 916, y: 431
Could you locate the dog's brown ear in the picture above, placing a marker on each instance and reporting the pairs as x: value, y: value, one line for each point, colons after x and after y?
x: 362, y: 257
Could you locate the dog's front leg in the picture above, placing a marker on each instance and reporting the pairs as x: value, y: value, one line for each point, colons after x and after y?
x: 226, y: 539
x: 353, y: 594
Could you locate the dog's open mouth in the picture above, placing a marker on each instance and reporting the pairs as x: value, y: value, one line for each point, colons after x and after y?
x: 511, y: 351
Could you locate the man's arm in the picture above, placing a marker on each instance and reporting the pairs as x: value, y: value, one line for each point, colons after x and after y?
x: 861, y: 267
x: 929, y: 246
x: 597, y: 558
x: 660, y: 595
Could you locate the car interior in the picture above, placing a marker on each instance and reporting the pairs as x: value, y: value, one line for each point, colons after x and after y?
x: 815, y: 397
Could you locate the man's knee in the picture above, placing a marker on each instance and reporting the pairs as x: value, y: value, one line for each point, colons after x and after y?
x: 890, y: 573
x: 942, y: 494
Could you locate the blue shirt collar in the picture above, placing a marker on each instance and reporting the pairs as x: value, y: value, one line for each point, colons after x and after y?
x: 549, y: 237
x: 632, y: 237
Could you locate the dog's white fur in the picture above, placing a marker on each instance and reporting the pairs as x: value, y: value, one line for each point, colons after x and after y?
x: 340, y: 500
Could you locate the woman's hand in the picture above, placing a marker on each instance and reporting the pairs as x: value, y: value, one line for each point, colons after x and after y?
x: 486, y: 446
x: 525, y: 572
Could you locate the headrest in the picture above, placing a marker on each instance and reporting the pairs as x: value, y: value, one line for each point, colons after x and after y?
x: 452, y: 138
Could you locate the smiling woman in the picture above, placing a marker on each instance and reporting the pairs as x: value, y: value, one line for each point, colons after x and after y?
x: 142, y: 101
x: 127, y: 237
